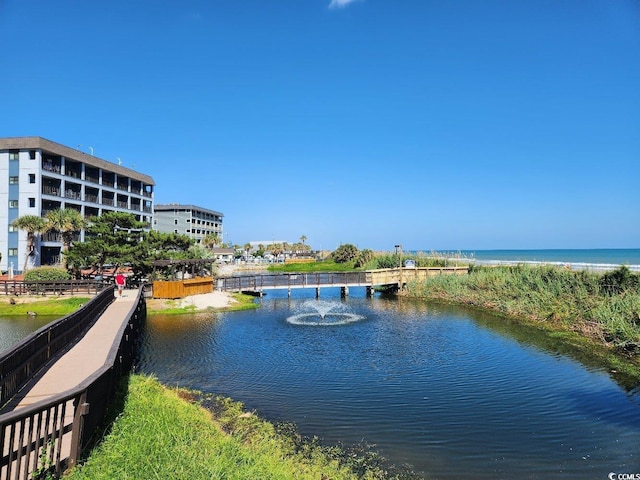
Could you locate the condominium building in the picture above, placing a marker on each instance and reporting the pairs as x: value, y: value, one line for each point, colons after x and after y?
x: 196, y: 222
x: 38, y: 176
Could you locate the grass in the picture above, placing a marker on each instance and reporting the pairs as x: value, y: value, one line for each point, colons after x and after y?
x: 168, y: 433
x: 323, y: 266
x: 377, y: 261
x: 55, y: 306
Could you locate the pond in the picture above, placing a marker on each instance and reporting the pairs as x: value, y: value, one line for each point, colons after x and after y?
x: 450, y: 392
x: 15, y: 328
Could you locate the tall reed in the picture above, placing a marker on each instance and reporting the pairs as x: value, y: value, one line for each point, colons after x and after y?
x: 580, y: 300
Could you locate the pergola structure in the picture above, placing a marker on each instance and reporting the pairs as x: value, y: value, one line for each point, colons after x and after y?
x: 193, y: 267
x: 178, y: 286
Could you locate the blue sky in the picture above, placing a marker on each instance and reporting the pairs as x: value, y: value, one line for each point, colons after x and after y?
x: 436, y: 124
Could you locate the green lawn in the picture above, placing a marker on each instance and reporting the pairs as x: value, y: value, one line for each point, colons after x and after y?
x: 57, y: 306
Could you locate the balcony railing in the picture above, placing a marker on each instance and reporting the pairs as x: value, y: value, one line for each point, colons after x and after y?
x: 91, y: 198
x: 123, y: 205
x: 92, y: 179
x: 49, y: 167
x: 73, y: 174
x: 107, y: 182
x: 73, y: 195
x: 108, y: 201
x: 47, y: 190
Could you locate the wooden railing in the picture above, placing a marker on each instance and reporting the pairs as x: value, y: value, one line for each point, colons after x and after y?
x: 369, y: 278
x: 49, y: 436
x: 59, y: 287
x: 26, y: 358
x: 292, y: 280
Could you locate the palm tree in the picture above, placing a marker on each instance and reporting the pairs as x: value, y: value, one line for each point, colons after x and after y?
x: 211, y: 240
x: 68, y: 222
x: 276, y: 249
x: 303, y: 238
x: 33, y: 225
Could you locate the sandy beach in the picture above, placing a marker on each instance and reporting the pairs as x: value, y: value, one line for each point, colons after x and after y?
x: 208, y: 300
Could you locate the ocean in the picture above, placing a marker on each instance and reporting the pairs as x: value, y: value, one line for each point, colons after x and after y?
x: 597, y: 259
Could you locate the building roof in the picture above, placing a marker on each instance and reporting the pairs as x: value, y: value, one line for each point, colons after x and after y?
x: 178, y: 206
x: 39, y: 143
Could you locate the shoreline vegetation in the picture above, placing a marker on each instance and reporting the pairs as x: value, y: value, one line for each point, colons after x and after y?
x: 186, y: 434
x: 592, y: 313
x: 182, y: 434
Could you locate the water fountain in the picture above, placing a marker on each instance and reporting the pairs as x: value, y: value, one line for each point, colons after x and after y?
x: 323, y: 313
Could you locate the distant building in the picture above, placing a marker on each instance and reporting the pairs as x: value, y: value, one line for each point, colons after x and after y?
x: 195, y: 222
x: 223, y: 255
x: 38, y: 175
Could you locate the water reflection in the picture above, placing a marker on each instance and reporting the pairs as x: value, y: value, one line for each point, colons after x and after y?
x: 15, y: 328
x: 439, y: 388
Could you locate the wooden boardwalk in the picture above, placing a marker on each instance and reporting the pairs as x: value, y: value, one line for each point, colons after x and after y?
x: 51, y: 424
x: 82, y: 360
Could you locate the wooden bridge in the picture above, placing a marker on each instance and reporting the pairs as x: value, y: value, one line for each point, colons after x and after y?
x: 57, y: 384
x: 387, y: 278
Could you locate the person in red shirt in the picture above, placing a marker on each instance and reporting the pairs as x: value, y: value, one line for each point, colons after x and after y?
x: 120, y: 281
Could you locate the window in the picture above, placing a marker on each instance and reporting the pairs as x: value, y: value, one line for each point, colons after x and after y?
x: 32, y: 178
x: 175, y: 221
x: 13, y: 180
x: 32, y: 202
x: 14, y: 154
x: 13, y: 252
x: 13, y: 203
x: 32, y: 154
x: 12, y: 228
x: 175, y: 231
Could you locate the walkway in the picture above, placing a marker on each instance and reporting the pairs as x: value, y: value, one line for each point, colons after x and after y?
x: 82, y: 360
x: 390, y: 277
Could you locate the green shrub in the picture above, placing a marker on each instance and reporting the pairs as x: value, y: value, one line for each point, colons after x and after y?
x: 364, y: 257
x: 46, y: 274
x: 345, y: 253
x: 620, y: 280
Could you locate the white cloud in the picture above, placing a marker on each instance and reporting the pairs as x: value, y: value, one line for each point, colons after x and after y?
x: 340, y: 3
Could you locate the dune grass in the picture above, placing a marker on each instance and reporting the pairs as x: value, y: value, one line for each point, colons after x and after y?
x: 309, y: 267
x: 167, y: 433
x: 372, y: 262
